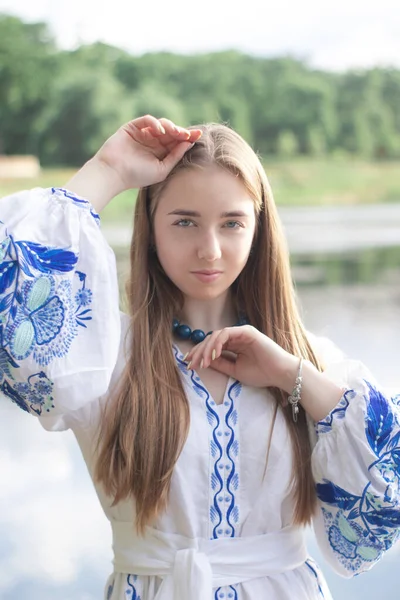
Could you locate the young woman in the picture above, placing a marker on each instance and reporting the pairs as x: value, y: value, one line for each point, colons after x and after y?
x: 210, y: 427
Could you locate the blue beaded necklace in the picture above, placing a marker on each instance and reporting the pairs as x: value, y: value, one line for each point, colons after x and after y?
x: 196, y: 336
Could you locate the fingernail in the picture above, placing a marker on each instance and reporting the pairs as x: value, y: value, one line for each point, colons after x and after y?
x: 213, y: 354
x: 189, y: 365
x: 161, y: 128
x: 202, y: 364
x: 186, y: 355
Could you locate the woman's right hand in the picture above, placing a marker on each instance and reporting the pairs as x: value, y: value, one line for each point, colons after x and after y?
x: 140, y: 153
x: 145, y: 150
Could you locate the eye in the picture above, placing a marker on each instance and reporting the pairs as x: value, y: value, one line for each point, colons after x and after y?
x: 184, y: 223
x: 233, y: 224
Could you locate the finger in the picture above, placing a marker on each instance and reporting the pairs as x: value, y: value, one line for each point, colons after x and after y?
x: 210, y: 349
x: 194, y: 358
x: 149, y: 136
x: 204, y: 353
x: 175, y: 130
x: 195, y: 134
x: 224, y: 365
x: 175, y: 134
x: 146, y: 121
x: 169, y: 139
x: 169, y: 142
x: 175, y: 155
x: 228, y: 341
x: 215, y: 347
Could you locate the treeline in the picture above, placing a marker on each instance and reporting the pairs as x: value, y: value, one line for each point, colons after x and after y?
x: 62, y: 105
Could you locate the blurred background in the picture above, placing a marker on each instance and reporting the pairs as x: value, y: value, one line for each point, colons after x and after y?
x: 315, y: 89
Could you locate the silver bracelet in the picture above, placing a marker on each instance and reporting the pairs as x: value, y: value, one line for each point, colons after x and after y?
x: 295, y: 396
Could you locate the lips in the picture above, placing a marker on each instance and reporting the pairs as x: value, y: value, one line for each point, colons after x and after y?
x: 205, y: 272
x: 207, y: 276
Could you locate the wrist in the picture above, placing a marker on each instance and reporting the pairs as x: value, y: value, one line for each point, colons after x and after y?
x: 108, y: 175
x: 288, y: 372
x: 97, y: 182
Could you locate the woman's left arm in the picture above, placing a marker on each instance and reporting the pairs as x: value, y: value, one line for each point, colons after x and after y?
x: 356, y: 458
x: 258, y: 361
x: 356, y: 468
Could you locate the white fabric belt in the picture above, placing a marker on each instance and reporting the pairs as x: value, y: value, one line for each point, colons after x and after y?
x: 192, y: 567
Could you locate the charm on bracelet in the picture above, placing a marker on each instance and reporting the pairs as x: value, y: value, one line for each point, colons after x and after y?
x: 295, y: 396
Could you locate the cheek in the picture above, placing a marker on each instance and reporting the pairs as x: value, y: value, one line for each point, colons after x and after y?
x: 172, y: 255
x: 243, y: 246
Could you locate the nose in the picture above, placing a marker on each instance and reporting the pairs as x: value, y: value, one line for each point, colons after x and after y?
x: 209, y: 247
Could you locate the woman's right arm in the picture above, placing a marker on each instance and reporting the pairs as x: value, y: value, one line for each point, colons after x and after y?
x: 140, y: 153
x: 59, y: 309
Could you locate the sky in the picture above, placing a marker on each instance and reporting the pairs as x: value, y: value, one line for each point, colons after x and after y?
x: 333, y: 35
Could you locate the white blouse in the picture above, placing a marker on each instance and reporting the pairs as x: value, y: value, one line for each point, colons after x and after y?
x: 227, y: 531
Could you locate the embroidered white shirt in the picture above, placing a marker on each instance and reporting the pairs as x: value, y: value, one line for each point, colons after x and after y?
x: 62, y: 353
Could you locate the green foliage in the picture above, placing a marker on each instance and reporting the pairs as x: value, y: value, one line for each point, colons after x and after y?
x: 87, y: 107
x: 287, y: 144
x: 62, y: 105
x: 316, y: 141
x: 28, y: 64
x: 151, y: 98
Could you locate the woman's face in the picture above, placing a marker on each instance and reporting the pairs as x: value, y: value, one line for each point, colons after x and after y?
x: 204, y: 226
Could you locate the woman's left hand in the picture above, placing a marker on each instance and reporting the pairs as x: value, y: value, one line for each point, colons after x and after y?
x: 247, y: 355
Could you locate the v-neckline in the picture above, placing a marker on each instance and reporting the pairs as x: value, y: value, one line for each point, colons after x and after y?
x: 195, y: 374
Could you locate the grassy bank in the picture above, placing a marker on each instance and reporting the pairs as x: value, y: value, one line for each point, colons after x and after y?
x: 296, y: 182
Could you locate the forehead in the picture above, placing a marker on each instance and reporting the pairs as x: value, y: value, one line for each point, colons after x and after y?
x: 204, y: 188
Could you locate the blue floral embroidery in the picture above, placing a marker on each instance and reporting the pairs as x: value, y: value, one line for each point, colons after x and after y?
x: 38, y: 316
x: 232, y: 453
x: 34, y: 396
x: 364, y: 526
x: 216, y: 451
x: 224, y: 452
x: 131, y: 591
x: 217, y: 482
x: 338, y: 413
x: 81, y: 202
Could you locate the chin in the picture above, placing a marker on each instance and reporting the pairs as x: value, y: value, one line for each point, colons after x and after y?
x: 205, y: 293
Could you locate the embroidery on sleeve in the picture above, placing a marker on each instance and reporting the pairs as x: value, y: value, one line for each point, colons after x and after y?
x: 39, y: 316
x: 338, y: 414
x: 77, y: 200
x: 364, y: 526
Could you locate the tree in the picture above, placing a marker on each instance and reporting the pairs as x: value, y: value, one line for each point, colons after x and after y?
x: 87, y: 107
x: 28, y: 65
x: 287, y: 144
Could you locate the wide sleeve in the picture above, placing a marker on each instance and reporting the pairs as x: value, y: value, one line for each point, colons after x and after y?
x: 356, y: 468
x: 59, y: 308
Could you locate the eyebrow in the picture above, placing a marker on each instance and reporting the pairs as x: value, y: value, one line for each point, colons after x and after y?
x: 192, y: 213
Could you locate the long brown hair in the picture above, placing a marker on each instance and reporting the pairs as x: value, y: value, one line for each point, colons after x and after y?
x: 145, y: 425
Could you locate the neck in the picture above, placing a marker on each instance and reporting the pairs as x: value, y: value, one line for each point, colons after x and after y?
x: 209, y: 315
